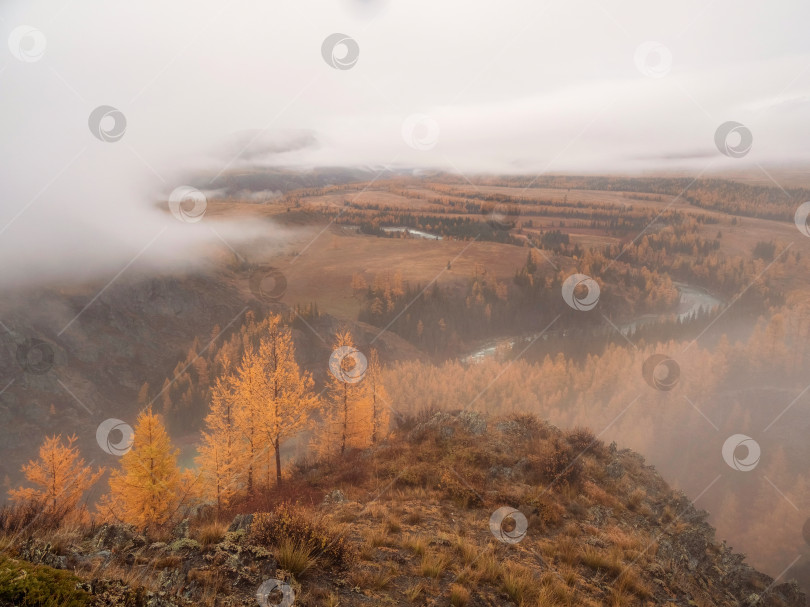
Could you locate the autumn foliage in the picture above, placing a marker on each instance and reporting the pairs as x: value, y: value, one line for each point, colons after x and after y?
x: 60, y: 477
x: 265, y: 401
x: 357, y: 411
x: 149, y: 489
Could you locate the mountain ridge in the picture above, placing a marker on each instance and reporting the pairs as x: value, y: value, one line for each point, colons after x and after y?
x: 414, y: 520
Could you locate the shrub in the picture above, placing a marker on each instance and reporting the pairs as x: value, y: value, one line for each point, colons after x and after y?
x: 463, y: 494
x: 420, y: 474
x: 550, y: 512
x: 558, y: 462
x: 184, y: 543
x: 582, y: 439
x: 288, y: 523
x: 30, y: 516
x: 529, y: 426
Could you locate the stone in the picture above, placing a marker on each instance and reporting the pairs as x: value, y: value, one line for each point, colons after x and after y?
x: 336, y: 496
x: 241, y: 522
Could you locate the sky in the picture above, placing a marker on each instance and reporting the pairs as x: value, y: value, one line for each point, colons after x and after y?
x: 465, y: 86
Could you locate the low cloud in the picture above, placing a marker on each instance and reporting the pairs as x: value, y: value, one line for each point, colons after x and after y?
x: 211, y: 89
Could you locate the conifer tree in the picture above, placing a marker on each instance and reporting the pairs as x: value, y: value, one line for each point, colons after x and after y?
x: 249, y: 386
x: 220, y: 450
x: 287, y: 399
x: 347, y: 413
x: 376, y: 399
x: 148, y: 489
x: 60, y: 477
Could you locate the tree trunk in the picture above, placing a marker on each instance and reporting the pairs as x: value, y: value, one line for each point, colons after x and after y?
x: 374, y: 420
x: 345, y: 419
x: 278, y: 462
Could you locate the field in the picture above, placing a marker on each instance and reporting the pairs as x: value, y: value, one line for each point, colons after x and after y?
x: 330, y: 246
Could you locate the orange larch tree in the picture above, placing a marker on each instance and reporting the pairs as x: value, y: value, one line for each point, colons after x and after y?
x: 221, y: 453
x: 347, y: 422
x: 287, y: 400
x: 60, y: 477
x: 149, y: 489
x: 376, y: 399
x: 249, y: 384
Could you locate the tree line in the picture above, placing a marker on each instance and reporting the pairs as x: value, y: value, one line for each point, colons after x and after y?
x: 258, y: 405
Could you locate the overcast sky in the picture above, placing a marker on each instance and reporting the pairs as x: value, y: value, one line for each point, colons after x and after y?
x: 464, y: 85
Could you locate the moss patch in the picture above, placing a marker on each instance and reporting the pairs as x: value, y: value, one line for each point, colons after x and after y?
x: 30, y: 585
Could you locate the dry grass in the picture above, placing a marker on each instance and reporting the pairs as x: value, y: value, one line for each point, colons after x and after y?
x: 294, y: 556
x: 467, y: 551
x: 599, y: 561
x: 614, y: 535
x: 433, y: 564
x: 210, y: 533
x: 412, y: 593
x: 598, y: 495
x: 553, y: 594
x: 519, y: 583
x: 489, y: 567
x: 393, y: 525
x: 366, y: 552
x: 377, y: 538
x: 636, y: 499
x: 416, y: 544
x: 376, y: 579
x: 630, y: 581
x: 212, y: 582
x: 413, y: 518
x: 459, y: 595
x: 468, y: 577
x: 566, y: 549
x: 376, y: 511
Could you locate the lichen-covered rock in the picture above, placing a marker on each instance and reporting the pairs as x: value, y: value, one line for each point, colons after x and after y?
x: 41, y: 553
x: 181, y: 530
x: 184, y: 543
x: 109, y: 536
x: 336, y: 496
x: 241, y: 521
x: 473, y: 422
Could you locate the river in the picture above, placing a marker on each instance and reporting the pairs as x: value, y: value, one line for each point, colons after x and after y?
x: 415, y: 233
x: 692, y: 300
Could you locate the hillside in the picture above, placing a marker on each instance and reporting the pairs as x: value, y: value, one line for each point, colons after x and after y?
x: 414, y: 520
x: 108, y: 340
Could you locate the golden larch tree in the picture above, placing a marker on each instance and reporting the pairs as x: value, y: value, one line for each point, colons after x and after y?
x: 249, y: 386
x: 149, y: 489
x: 376, y: 399
x: 346, y: 420
x: 221, y: 452
x: 288, y: 400
x: 60, y: 477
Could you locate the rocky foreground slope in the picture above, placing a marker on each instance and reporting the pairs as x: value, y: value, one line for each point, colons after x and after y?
x: 453, y: 510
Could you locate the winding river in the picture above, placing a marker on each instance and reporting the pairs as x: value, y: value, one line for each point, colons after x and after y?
x: 414, y: 233
x: 692, y: 300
